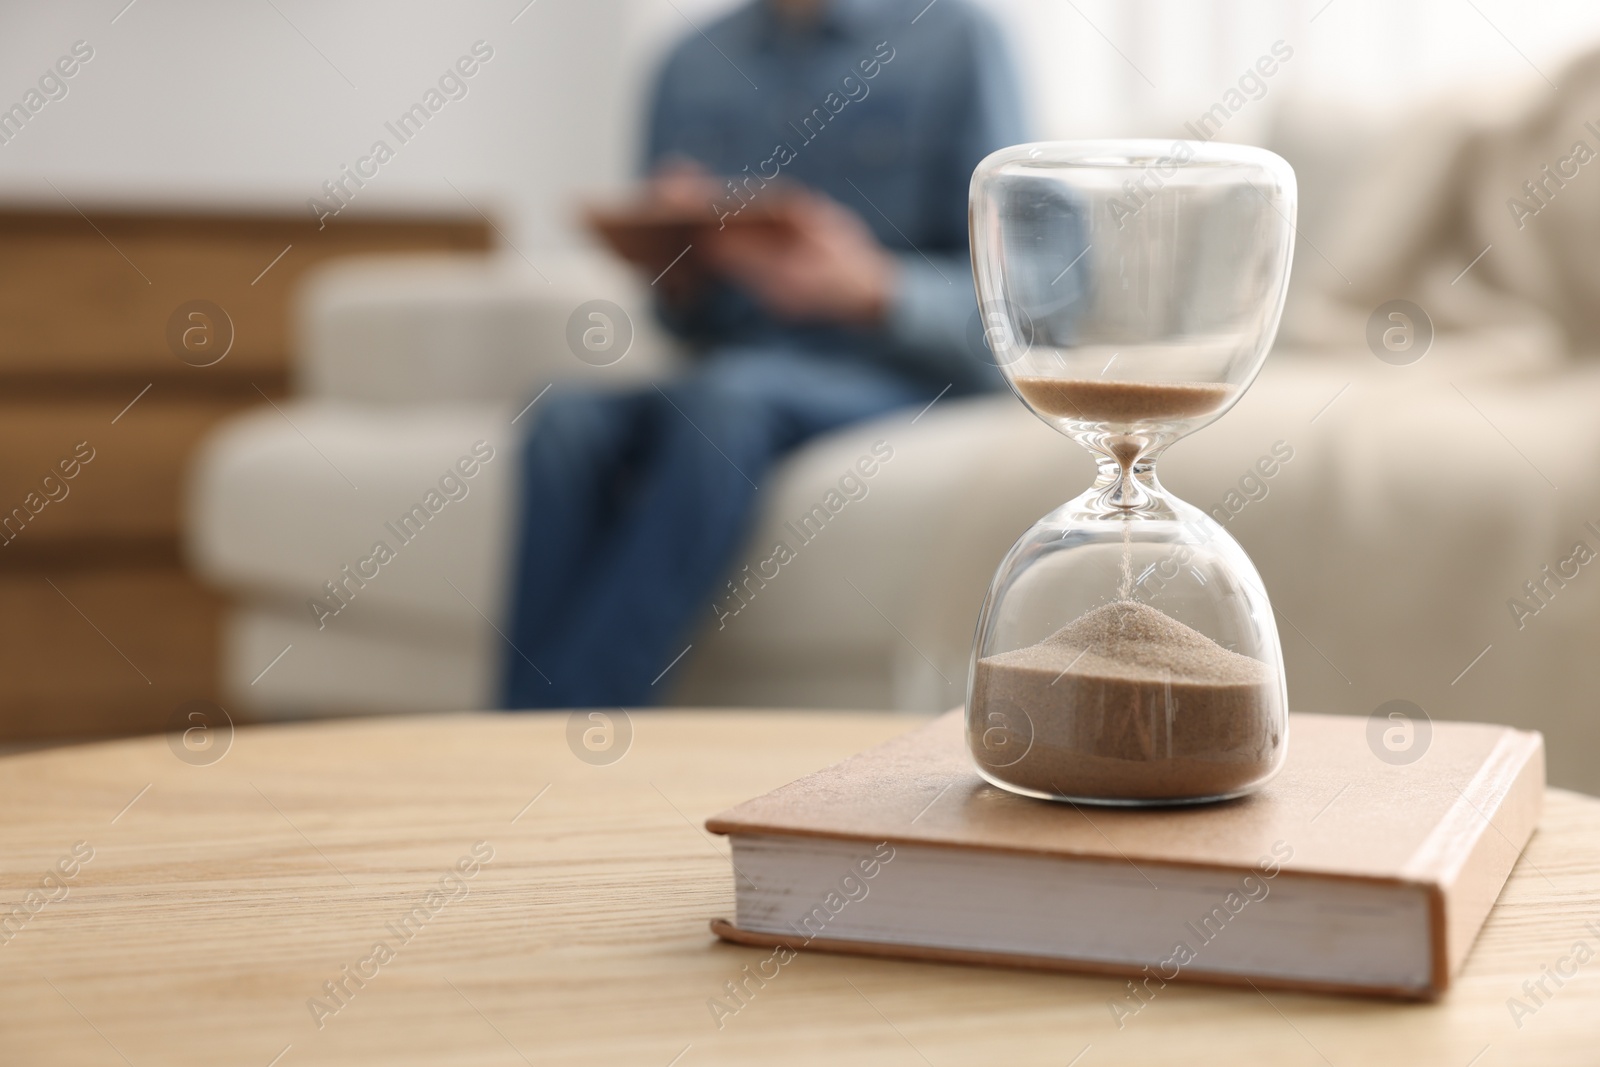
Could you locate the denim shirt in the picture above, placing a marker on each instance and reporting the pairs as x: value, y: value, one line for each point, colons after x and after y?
x: 884, y: 105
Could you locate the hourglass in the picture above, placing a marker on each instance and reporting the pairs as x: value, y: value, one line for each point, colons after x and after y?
x: 1126, y: 652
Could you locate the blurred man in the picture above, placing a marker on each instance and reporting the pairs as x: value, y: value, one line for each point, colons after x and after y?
x: 856, y: 124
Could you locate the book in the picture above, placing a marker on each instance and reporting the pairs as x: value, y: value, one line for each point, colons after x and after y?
x: 1345, y: 873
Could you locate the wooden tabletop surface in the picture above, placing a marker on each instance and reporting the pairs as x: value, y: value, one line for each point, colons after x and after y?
x: 194, y: 911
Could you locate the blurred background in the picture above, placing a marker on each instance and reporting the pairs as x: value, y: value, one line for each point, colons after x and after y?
x: 195, y: 105
x: 241, y: 457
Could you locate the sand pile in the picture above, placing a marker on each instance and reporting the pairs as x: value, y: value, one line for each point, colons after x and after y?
x: 1093, y: 400
x: 1127, y: 702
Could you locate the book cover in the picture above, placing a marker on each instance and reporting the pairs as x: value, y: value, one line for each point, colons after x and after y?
x: 1447, y: 828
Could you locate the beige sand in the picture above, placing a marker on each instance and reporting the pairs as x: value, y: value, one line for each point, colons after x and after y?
x: 1092, y: 400
x: 1128, y: 703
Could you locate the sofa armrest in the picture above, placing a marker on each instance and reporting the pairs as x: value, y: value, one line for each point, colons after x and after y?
x: 408, y: 328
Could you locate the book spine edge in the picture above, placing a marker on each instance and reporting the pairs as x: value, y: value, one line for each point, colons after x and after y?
x: 1504, y: 802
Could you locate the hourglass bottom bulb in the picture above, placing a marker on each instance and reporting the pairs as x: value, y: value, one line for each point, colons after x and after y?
x: 1126, y: 704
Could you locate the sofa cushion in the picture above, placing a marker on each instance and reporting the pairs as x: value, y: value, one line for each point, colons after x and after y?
x: 286, y: 500
x: 442, y: 328
x: 277, y: 664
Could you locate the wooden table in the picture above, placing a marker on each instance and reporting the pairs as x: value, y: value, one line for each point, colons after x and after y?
x: 221, y: 897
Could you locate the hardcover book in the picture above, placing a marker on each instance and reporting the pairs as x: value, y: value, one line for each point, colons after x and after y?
x: 1347, y: 872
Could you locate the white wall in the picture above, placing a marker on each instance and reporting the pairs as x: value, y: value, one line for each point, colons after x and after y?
x: 190, y: 101
x: 197, y: 102
x: 1120, y: 67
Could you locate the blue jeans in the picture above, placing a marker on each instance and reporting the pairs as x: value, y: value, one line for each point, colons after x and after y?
x: 634, y: 504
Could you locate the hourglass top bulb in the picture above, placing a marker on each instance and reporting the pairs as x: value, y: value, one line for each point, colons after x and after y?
x: 1131, y: 286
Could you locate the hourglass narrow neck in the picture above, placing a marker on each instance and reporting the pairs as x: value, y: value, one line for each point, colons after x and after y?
x: 1122, y: 489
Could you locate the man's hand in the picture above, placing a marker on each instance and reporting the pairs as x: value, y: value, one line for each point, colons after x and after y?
x: 824, y: 266
x: 684, y: 185
x: 680, y: 186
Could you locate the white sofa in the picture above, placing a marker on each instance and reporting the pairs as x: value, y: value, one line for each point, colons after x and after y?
x: 1390, y: 542
x: 1419, y: 500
